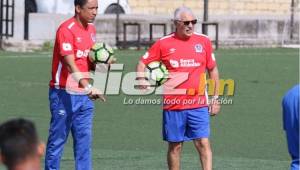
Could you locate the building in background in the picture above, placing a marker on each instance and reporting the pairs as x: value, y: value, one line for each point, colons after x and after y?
x: 67, y: 6
x: 216, y: 7
x: 242, y: 23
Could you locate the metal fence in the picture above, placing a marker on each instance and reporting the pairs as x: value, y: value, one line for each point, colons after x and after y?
x: 7, y: 8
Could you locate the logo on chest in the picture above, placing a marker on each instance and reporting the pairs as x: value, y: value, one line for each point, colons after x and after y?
x: 198, y: 48
x: 184, y: 63
x: 172, y: 50
x: 78, y: 39
x: 81, y: 54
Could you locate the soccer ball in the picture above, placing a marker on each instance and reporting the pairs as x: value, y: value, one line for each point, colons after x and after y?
x: 101, y: 53
x: 156, y: 72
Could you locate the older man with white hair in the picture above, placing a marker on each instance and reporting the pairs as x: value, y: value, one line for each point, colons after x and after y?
x: 185, y: 51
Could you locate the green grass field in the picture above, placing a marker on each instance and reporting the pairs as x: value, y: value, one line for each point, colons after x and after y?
x: 247, y: 135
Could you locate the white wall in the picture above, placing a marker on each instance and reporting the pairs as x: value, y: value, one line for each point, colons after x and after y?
x: 55, y: 6
x: 233, y: 31
x: 19, y: 20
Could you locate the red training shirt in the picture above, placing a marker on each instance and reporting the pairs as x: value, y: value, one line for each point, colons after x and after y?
x: 71, y: 38
x: 193, y: 57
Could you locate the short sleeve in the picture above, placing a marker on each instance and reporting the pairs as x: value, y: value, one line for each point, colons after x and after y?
x: 153, y: 54
x: 65, y: 42
x: 210, y: 56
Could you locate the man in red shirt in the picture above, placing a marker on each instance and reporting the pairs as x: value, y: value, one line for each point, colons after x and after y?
x: 72, y: 111
x: 187, y: 117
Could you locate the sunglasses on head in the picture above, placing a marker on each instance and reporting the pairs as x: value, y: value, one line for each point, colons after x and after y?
x: 186, y: 23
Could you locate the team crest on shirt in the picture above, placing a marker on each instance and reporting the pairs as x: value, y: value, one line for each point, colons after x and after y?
x: 93, y: 37
x: 198, y: 48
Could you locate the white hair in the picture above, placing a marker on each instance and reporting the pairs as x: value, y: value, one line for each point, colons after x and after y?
x: 180, y: 10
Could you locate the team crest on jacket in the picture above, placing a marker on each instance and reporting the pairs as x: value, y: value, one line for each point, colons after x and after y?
x: 198, y: 48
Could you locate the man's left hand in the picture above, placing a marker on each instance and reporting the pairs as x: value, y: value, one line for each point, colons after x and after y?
x: 214, y: 107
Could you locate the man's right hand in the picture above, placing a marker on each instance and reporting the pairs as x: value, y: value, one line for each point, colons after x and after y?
x: 95, y: 94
